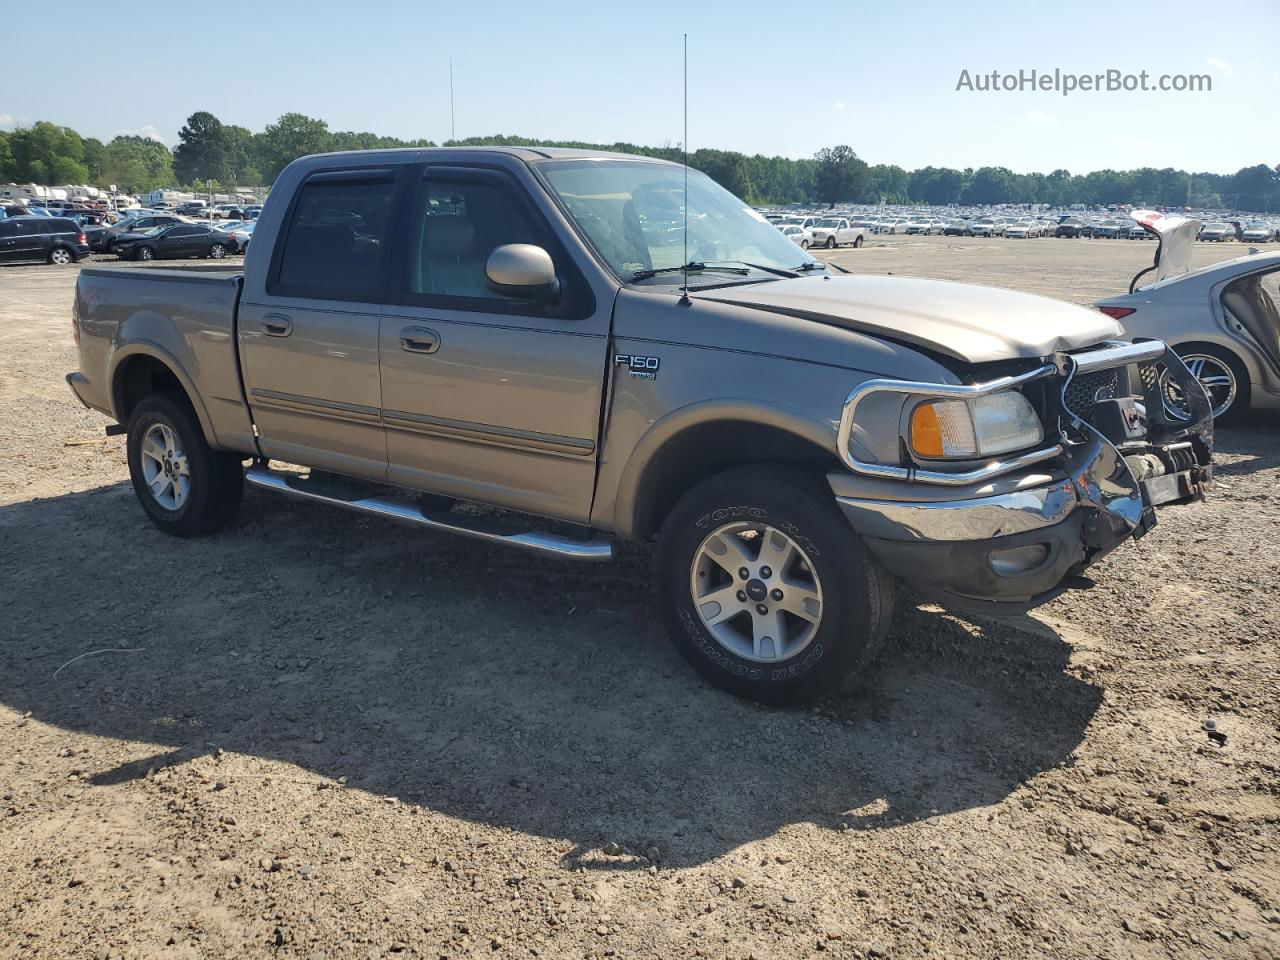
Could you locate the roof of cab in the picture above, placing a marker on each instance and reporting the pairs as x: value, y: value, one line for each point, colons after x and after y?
x: 527, y: 154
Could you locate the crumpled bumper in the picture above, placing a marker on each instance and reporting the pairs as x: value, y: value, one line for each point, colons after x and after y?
x: 1016, y: 541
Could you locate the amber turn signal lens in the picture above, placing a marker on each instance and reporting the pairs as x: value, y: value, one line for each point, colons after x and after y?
x: 926, y: 432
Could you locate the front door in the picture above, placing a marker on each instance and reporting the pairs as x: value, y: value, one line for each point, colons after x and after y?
x: 486, y: 397
x: 309, y: 341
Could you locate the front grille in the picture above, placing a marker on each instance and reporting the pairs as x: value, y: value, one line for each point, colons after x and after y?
x: 1087, y: 389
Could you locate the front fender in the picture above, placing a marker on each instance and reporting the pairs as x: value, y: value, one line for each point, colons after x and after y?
x: 663, y: 431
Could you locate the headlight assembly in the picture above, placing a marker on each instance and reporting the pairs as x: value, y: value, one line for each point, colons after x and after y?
x: 978, y: 427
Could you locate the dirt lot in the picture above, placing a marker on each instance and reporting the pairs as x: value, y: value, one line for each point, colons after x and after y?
x: 324, y: 736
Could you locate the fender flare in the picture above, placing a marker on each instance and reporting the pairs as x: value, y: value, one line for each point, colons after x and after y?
x: 661, y: 432
x: 153, y: 350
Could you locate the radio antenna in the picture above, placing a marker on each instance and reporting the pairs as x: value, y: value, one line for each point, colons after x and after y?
x: 453, y: 128
x: 684, y: 293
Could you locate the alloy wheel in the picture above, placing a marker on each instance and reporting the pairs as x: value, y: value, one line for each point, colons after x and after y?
x: 1215, y: 375
x: 60, y: 256
x: 756, y: 592
x: 164, y: 466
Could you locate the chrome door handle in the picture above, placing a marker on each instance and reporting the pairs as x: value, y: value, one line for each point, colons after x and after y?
x: 419, y: 340
x: 277, y: 325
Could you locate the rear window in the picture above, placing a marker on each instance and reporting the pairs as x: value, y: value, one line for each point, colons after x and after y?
x: 336, y: 237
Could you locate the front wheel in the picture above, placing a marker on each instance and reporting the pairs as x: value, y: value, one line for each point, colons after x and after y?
x: 804, y: 244
x: 831, y: 243
x: 145, y: 254
x: 186, y: 487
x: 766, y: 590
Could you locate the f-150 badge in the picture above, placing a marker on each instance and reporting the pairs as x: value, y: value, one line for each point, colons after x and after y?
x: 643, y: 368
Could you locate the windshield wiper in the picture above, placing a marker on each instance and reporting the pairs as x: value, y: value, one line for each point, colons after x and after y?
x: 811, y: 265
x: 693, y: 267
x: 776, y: 271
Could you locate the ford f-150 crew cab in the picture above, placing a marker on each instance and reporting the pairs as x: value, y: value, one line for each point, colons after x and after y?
x: 523, y: 328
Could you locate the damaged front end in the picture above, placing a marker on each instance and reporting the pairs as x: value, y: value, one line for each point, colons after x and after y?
x: 1127, y: 429
x: 1127, y: 447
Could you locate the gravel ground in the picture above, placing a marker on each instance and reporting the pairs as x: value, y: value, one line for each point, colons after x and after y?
x: 316, y: 735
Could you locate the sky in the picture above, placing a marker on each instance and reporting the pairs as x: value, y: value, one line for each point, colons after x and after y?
x: 764, y: 77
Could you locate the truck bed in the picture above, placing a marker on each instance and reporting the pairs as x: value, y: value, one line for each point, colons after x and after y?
x: 182, y: 315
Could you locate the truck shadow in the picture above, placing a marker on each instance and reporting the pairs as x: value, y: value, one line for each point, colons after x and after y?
x: 523, y: 693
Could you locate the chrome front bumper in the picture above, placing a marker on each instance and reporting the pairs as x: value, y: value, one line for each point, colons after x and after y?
x: 1089, y: 499
x: 975, y: 518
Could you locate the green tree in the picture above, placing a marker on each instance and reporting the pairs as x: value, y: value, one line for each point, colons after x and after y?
x: 840, y: 175
x: 202, y: 153
x: 293, y: 135
x: 989, y: 185
x: 136, y: 165
x: 6, y: 158
x: 49, y: 154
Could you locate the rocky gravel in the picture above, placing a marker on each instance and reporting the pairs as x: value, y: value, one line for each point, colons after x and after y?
x: 316, y: 735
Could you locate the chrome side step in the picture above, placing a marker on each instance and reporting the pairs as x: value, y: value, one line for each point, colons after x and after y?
x: 549, y: 543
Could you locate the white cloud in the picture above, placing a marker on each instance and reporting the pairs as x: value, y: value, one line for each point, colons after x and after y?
x: 1041, y: 120
x: 7, y: 121
x: 150, y: 131
x: 840, y: 105
x: 1220, y: 65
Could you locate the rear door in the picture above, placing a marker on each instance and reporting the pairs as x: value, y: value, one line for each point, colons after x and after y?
x: 484, y: 396
x: 309, y: 333
x: 8, y: 241
x: 30, y: 239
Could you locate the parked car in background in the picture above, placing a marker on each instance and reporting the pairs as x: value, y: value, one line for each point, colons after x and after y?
x: 1022, y: 230
x: 832, y: 232
x: 243, y: 233
x: 1217, y: 232
x: 253, y: 211
x: 1109, y: 229
x: 103, y: 239
x: 42, y: 239
x: 798, y: 235
x: 957, y: 228
x: 193, y: 208
x: 228, y: 211
x: 1221, y: 319
x: 987, y: 227
x: 1072, y: 227
x: 1138, y: 232
x: 924, y: 226
x: 1258, y: 233
x: 175, y: 242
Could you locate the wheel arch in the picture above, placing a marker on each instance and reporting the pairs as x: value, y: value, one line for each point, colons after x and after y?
x: 143, y: 368
x: 698, y: 442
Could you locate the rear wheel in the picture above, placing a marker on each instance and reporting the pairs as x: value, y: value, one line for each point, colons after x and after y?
x: 857, y: 242
x: 217, y: 251
x: 766, y: 590
x: 61, y: 256
x: 1220, y: 372
x: 185, y: 486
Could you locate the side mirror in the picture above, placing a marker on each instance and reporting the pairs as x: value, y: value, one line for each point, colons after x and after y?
x: 523, y: 271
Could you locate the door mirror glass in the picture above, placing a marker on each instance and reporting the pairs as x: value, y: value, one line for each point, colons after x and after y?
x: 522, y: 270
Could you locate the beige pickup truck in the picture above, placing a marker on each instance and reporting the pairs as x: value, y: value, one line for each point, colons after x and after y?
x: 607, y: 352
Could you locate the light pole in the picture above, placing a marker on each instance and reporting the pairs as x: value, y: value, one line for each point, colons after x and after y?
x: 209, y: 186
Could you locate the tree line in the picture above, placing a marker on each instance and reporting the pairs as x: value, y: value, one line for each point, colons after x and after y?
x: 230, y: 155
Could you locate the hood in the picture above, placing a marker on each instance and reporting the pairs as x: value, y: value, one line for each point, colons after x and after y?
x: 970, y: 323
x: 1177, y: 236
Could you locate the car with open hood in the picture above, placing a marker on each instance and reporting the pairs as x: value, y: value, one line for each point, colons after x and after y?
x: 608, y: 347
x: 1221, y: 319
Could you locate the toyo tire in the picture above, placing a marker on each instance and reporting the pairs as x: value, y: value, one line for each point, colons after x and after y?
x: 784, y: 636
x: 185, y: 486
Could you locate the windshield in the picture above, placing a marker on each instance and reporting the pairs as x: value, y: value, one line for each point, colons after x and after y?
x: 632, y: 212
x: 828, y: 222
